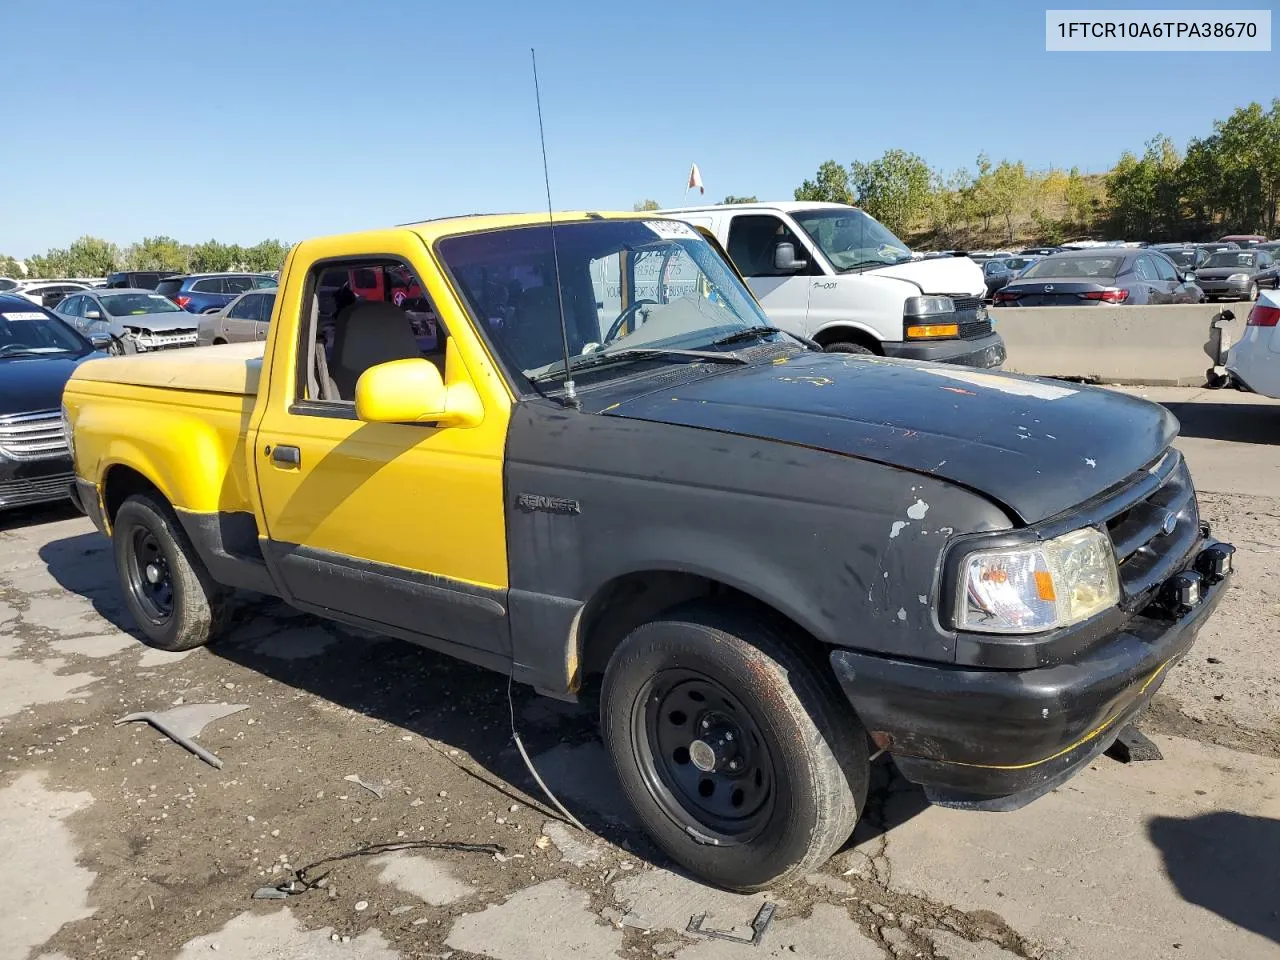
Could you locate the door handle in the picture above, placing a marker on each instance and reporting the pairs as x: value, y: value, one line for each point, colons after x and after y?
x: 286, y: 456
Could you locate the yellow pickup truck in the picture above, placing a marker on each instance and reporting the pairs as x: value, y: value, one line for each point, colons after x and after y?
x: 579, y: 450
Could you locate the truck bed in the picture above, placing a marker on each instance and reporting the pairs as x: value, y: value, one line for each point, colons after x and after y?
x: 232, y: 368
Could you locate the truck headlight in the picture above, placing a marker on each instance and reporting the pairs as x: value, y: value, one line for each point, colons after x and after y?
x: 928, y: 306
x: 67, y: 433
x: 1038, y: 587
x: 1237, y: 278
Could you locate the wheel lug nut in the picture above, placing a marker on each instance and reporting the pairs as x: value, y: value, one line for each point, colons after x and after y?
x: 728, y: 736
x: 733, y: 764
x: 706, y: 724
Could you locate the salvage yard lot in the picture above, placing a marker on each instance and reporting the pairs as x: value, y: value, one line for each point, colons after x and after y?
x: 117, y: 843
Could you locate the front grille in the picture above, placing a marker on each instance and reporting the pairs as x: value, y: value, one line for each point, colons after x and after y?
x: 1153, y: 533
x: 32, y: 436
x: 971, y: 317
x: 17, y: 493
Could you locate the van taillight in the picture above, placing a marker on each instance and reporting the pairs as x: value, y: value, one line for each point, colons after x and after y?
x: 1263, y: 316
x: 182, y: 301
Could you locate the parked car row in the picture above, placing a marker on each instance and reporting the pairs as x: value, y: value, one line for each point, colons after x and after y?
x: 1131, y: 275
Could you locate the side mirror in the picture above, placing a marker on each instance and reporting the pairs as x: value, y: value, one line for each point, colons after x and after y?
x: 412, y: 391
x: 93, y: 314
x: 1189, y: 277
x: 784, y: 258
x: 100, y: 341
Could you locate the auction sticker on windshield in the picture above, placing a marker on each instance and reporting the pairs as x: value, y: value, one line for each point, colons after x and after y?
x: 672, y: 229
x: 25, y: 316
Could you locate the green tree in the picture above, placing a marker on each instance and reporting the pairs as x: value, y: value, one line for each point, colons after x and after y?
x: 894, y: 189
x: 830, y: 185
x: 11, y: 268
x: 950, y: 206
x: 214, y: 257
x: 91, y: 257
x: 156, y: 253
x: 646, y: 205
x: 51, y: 263
x: 1009, y: 192
x: 1078, y: 199
x: 982, y: 203
x: 265, y: 256
x: 732, y: 199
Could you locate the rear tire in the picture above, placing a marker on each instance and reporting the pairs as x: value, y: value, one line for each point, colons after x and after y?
x: 176, y: 604
x: 771, y: 800
x: 846, y: 346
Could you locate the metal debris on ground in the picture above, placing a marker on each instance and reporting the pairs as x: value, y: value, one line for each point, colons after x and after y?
x: 302, y: 881
x: 183, y: 723
x: 1132, y: 745
x: 759, y: 926
x: 377, y: 789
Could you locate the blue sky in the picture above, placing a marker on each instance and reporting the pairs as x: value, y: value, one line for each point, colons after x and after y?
x: 288, y: 118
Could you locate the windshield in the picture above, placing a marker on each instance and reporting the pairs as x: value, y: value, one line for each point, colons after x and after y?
x: 26, y: 332
x: 1084, y: 268
x: 1183, y: 258
x: 1231, y: 258
x: 136, y: 304
x: 624, y: 285
x: 851, y: 239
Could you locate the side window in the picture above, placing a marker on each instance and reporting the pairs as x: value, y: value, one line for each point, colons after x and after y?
x: 1164, y: 268
x: 1143, y: 269
x: 753, y: 241
x: 208, y: 285
x: 242, y: 309
x: 352, y: 333
x: 263, y: 282
x: 72, y: 307
x: 1264, y: 260
x: 266, y: 303
x: 236, y: 284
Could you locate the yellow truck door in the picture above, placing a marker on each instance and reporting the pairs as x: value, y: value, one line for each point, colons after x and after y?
x: 392, y: 525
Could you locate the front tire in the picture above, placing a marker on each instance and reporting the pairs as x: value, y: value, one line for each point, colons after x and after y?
x: 176, y: 604
x: 733, y: 746
x: 846, y: 346
x: 1253, y: 292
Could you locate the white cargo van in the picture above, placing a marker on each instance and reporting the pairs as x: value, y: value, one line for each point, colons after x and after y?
x: 832, y: 273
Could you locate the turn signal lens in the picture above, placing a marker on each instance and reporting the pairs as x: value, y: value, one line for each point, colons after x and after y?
x: 933, y: 330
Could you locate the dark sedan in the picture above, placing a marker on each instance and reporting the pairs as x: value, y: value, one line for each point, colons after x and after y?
x: 38, y: 353
x: 1237, y: 274
x: 1186, y: 257
x: 1113, y: 275
x: 996, y: 274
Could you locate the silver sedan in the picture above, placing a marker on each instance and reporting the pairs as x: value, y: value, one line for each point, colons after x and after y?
x: 137, y: 321
x: 243, y: 319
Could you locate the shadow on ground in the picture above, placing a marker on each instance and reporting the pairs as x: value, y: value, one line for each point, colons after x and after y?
x: 1235, y: 422
x: 23, y: 517
x: 1225, y: 862
x: 438, y: 697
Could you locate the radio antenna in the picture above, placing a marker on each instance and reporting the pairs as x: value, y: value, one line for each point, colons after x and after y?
x: 570, y: 389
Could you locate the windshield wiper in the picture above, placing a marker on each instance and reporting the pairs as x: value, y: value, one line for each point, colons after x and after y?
x: 747, y: 333
x: 22, y: 350
x: 633, y: 353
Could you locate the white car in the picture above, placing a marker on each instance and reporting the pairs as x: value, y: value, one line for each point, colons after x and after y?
x: 834, y: 274
x: 1254, y: 361
x: 49, y: 293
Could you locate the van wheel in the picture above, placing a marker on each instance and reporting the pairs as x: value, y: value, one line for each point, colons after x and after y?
x: 734, y: 747
x: 845, y: 346
x: 175, y: 602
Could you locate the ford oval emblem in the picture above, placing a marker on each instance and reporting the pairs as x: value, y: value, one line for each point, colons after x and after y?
x: 1168, y: 523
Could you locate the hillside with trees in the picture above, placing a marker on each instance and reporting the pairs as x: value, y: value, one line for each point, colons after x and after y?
x: 1226, y: 182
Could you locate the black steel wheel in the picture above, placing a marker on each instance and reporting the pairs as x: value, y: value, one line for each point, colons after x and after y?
x: 704, y: 757
x: 150, y: 582
x: 174, y: 601
x: 733, y: 744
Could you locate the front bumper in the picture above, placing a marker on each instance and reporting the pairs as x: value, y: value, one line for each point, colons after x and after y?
x: 150, y: 342
x: 987, y: 352
x: 998, y: 739
x: 25, y: 483
x: 1220, y: 288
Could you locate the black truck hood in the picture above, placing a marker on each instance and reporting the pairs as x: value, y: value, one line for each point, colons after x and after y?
x: 1039, y: 447
x: 28, y: 384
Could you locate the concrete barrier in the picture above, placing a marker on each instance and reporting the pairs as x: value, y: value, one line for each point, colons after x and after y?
x: 1165, y: 345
